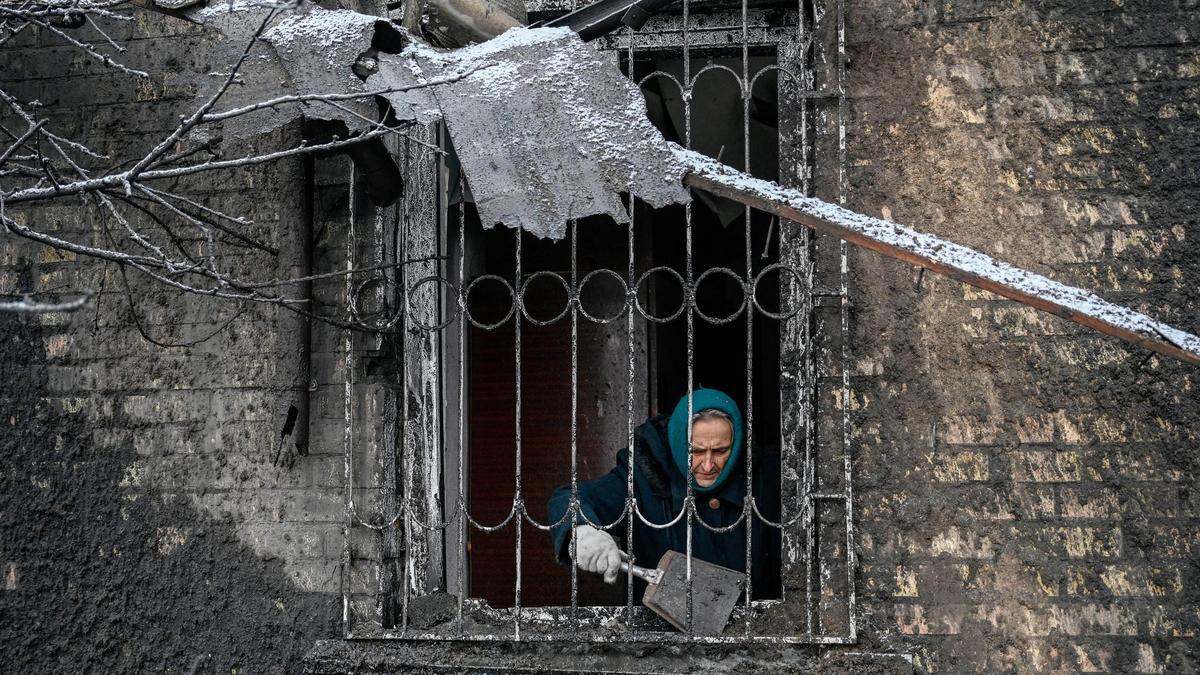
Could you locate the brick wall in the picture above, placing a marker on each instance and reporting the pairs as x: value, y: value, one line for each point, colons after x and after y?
x: 144, y: 525
x: 1027, y: 488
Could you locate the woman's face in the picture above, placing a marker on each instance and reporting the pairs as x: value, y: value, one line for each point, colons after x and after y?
x: 712, y: 440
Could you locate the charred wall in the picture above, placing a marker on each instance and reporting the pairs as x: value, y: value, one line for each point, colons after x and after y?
x: 1027, y: 489
x: 144, y: 524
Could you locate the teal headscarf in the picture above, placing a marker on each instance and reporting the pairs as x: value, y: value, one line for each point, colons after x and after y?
x: 680, y: 422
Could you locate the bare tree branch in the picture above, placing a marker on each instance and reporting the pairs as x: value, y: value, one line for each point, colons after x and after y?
x: 27, y: 305
x: 146, y: 223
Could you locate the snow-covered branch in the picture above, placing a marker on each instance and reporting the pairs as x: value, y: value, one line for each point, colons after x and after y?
x: 28, y: 305
x: 147, y: 224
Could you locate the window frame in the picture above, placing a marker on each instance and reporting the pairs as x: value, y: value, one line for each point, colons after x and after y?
x: 427, y: 448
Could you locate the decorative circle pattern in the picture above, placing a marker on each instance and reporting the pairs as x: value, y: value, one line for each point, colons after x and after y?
x: 687, y: 294
x: 783, y: 269
x: 525, y: 289
x: 512, y: 305
x: 573, y: 294
x: 370, y: 321
x: 624, y: 292
x: 737, y: 279
x: 412, y: 292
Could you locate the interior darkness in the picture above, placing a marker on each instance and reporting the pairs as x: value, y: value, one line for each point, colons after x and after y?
x: 718, y: 237
x: 603, y: 359
x: 720, y: 351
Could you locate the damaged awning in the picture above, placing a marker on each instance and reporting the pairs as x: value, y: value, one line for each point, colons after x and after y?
x: 547, y: 130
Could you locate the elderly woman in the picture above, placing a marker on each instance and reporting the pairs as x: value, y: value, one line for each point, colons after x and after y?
x: 663, y: 464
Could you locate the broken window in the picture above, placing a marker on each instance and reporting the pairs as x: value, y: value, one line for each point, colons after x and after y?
x: 526, y: 363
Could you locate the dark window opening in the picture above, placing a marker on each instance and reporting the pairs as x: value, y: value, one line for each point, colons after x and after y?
x: 660, y: 352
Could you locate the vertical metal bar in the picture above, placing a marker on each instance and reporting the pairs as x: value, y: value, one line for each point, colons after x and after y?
x: 687, y: 66
x: 843, y: 190
x: 808, y: 405
x: 461, y: 301
x: 689, y: 294
x: 809, y: 389
x: 574, y: 305
x: 430, y: 378
x: 520, y: 497
x: 388, y: 545
x: 803, y: 37
x: 406, y: 465
x: 792, y: 85
x: 630, y: 505
x: 348, y: 412
x: 387, y: 533
x: 689, y: 501
x: 747, y: 516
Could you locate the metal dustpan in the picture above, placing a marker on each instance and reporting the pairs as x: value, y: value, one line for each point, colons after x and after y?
x: 715, y: 592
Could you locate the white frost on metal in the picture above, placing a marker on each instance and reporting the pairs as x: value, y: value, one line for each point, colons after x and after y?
x: 318, y: 49
x: 546, y: 129
x: 957, y: 256
x: 410, y: 98
x: 308, y: 51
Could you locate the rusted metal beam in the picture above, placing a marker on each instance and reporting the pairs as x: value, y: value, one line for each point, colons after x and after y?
x: 944, y: 257
x: 460, y: 22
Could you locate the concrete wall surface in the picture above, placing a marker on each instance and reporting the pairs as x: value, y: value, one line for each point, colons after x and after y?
x: 1026, y: 491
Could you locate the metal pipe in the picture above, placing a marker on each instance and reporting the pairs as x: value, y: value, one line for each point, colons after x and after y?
x: 650, y: 576
x: 946, y: 258
x: 472, y: 20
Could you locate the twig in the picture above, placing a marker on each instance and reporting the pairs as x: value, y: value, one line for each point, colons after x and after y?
x: 21, y: 141
x: 189, y: 123
x: 26, y: 305
x: 120, y: 179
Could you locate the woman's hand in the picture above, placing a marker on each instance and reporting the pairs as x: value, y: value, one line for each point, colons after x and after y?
x: 597, y: 552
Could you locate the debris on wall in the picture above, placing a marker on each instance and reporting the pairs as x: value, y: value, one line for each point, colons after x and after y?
x: 548, y: 131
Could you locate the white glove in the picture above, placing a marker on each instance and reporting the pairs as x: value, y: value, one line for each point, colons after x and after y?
x: 596, y: 551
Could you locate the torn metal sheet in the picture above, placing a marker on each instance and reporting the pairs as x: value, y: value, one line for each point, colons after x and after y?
x: 261, y: 77
x: 409, y: 99
x: 302, y: 52
x: 546, y: 128
x: 319, y: 49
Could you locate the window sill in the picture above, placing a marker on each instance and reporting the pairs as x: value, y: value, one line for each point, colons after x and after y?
x: 335, y: 657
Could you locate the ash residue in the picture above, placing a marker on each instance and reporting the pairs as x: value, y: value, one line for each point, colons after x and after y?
x: 107, y: 578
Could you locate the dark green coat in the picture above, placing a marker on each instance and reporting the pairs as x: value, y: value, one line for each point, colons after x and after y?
x: 660, y: 489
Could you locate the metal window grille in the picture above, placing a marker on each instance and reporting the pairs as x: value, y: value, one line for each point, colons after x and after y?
x: 408, y: 517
